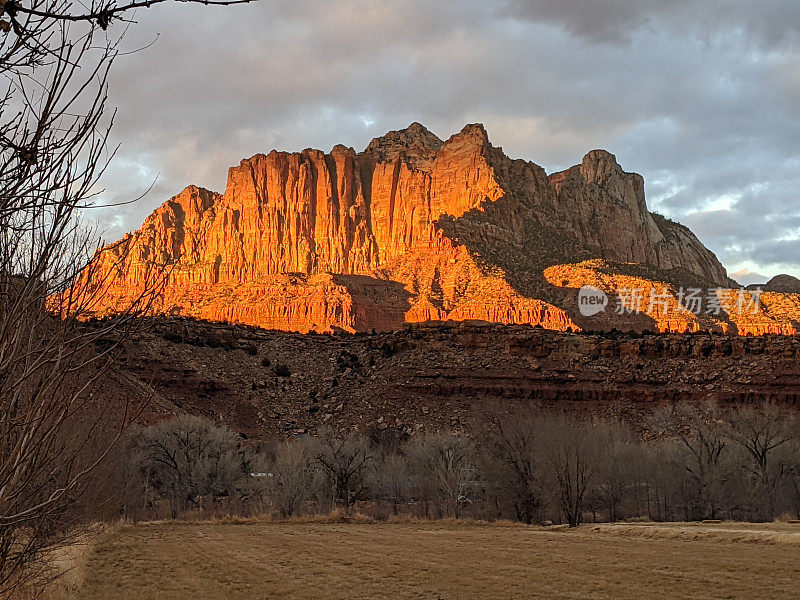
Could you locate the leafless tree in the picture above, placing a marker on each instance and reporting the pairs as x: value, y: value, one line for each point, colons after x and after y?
x: 188, y: 457
x: 289, y: 478
x: 345, y: 462
x: 572, y: 453
x: 789, y: 469
x: 657, y: 471
x: 615, y: 480
x: 517, y: 443
x: 391, y: 479
x: 55, y: 57
x: 700, y: 430
x: 446, y: 462
x: 762, y: 430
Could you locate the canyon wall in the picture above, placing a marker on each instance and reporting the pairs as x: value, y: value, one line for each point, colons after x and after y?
x: 411, y: 229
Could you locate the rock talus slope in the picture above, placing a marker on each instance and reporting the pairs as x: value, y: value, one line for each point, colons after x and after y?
x: 411, y: 229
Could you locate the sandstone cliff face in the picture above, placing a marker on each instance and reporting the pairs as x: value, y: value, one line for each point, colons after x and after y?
x: 606, y: 209
x: 412, y: 229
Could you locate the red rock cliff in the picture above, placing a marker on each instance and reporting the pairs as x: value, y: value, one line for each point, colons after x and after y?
x: 411, y: 229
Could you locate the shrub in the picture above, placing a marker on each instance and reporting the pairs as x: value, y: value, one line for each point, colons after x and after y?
x: 348, y: 360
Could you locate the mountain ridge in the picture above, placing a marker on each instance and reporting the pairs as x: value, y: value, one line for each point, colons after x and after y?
x: 411, y: 229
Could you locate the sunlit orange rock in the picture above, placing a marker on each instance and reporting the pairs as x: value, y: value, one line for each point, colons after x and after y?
x: 411, y: 229
x: 641, y: 298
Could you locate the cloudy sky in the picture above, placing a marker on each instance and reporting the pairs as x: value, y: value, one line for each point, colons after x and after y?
x: 702, y: 97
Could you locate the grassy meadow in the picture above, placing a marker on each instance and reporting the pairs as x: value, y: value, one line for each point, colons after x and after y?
x: 264, y: 560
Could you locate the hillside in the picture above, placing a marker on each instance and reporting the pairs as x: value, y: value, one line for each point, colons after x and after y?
x: 439, y: 376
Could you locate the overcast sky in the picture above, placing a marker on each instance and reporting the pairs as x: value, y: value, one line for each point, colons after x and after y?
x: 701, y: 97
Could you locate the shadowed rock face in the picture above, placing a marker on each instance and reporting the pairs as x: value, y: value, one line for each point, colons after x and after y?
x: 434, y: 230
x: 785, y: 284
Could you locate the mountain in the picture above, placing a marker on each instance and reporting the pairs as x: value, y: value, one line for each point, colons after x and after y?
x: 783, y: 283
x: 419, y: 229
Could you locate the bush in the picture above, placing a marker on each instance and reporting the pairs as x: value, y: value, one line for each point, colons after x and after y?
x: 282, y: 370
x: 347, y: 360
x: 389, y: 349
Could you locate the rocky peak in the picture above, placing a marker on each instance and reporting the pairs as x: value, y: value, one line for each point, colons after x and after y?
x: 471, y: 140
x: 194, y: 200
x: 474, y: 133
x: 599, y: 165
x: 415, y: 145
x: 783, y: 283
x: 342, y: 150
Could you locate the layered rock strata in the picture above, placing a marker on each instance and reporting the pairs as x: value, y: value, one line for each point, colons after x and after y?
x: 411, y: 229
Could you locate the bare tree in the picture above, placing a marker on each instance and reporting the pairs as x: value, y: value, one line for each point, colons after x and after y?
x: 447, y: 463
x: 572, y: 454
x: 616, y: 461
x: 658, y: 470
x: 701, y: 434
x: 762, y: 430
x: 789, y: 461
x: 517, y: 442
x: 391, y: 479
x: 188, y: 457
x: 345, y: 461
x: 289, y: 478
x: 55, y: 57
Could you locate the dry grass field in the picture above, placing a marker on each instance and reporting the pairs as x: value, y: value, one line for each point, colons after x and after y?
x: 263, y: 560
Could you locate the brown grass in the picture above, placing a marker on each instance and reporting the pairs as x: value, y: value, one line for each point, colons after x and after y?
x: 781, y: 534
x: 262, y: 559
x: 60, y: 572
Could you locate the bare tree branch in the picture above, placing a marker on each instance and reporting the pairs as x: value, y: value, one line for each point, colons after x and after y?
x: 55, y: 59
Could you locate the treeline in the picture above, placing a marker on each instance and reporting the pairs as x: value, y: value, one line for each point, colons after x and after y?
x: 695, y: 463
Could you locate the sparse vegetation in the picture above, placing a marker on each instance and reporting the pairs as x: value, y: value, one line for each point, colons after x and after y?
x: 174, y: 338
x: 281, y: 370
x: 348, y: 360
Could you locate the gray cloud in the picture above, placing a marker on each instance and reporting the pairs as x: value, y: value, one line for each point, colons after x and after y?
x: 701, y: 97
x: 769, y: 23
